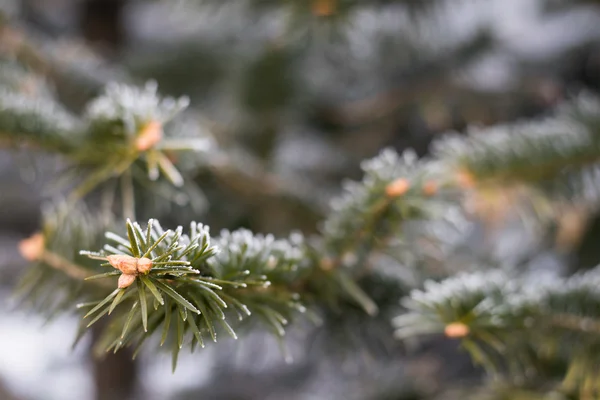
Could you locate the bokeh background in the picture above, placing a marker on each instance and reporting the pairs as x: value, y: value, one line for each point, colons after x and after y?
x: 299, y: 91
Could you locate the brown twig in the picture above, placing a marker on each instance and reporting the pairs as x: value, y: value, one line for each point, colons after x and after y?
x: 62, y: 264
x: 69, y: 268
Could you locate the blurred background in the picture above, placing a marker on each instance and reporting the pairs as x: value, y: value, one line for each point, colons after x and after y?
x: 299, y: 91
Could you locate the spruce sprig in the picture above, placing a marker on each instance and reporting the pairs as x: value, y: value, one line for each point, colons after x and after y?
x: 185, y: 284
x: 510, y: 324
x: 527, y: 152
x: 152, y: 258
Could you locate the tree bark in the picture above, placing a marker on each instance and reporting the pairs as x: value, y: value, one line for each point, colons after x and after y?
x: 115, y: 375
x: 101, y: 22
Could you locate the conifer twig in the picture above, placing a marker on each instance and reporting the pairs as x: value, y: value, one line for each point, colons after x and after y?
x: 62, y: 264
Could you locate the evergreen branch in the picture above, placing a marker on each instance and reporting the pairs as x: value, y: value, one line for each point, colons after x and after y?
x: 205, y: 287
x: 498, y: 316
x: 55, y: 262
x: 37, y: 121
x: 362, y: 204
x: 124, y: 127
x: 31, y: 116
x: 528, y: 152
x: 395, y: 189
x: 202, y: 285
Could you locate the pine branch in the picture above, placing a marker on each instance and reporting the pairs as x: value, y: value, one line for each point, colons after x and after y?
x: 55, y: 279
x: 37, y: 121
x: 252, y: 275
x: 532, y: 152
x: 511, y: 322
x: 123, y: 128
x: 395, y: 190
x: 33, y: 117
x: 194, y: 289
x: 383, y: 221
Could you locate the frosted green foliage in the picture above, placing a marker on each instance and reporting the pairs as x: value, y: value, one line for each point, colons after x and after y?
x: 365, y: 209
x: 65, y: 230
x: 124, y: 134
x: 580, y: 187
x: 172, y: 294
x: 496, y: 298
x: 127, y: 135
x: 425, y: 245
x: 528, y: 151
x: 15, y: 78
x: 37, y: 117
x: 171, y: 251
x: 463, y: 298
x: 269, y: 268
x: 512, y: 322
x: 133, y: 107
x: 186, y: 133
x: 192, y: 287
x: 261, y: 257
x: 578, y: 295
x: 200, y: 237
x: 586, y: 110
x: 389, y: 165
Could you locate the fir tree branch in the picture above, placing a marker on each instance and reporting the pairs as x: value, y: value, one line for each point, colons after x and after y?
x: 499, y: 316
x: 55, y: 279
x: 76, y: 137
x: 532, y: 152
x: 247, y: 276
x: 395, y: 189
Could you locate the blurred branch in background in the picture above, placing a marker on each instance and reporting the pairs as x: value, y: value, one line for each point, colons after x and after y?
x: 285, y: 99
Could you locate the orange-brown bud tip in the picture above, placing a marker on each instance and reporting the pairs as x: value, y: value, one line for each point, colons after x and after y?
x: 149, y: 136
x: 465, y: 179
x: 397, y: 188
x: 323, y: 8
x: 430, y: 188
x: 456, y: 330
x: 32, y: 248
x: 144, y: 265
x: 126, y: 280
x: 571, y: 227
x: 327, y: 264
x: 125, y: 264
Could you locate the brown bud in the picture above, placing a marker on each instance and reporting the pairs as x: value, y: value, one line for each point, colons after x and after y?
x: 465, y: 179
x: 126, y: 280
x: 32, y: 248
x: 571, y: 227
x: 456, y: 330
x: 323, y: 8
x: 397, y: 188
x: 144, y: 265
x: 327, y: 264
x: 149, y: 136
x: 125, y: 264
x: 430, y: 188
